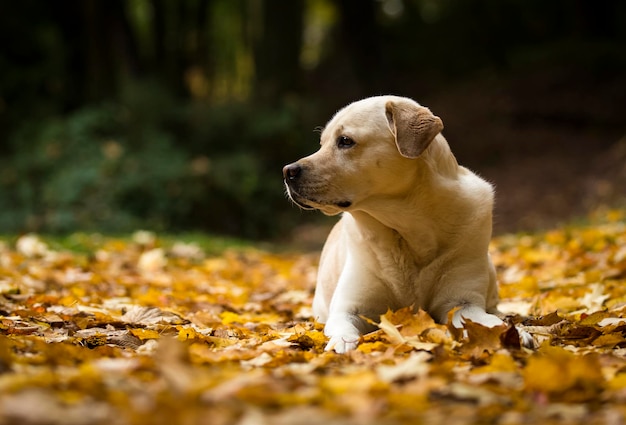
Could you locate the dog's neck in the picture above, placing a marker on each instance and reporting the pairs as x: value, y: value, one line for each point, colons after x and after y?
x: 437, y: 213
x: 439, y: 158
x: 418, y: 234
x: 433, y: 217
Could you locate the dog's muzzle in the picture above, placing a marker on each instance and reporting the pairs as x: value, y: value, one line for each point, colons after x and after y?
x: 292, y: 174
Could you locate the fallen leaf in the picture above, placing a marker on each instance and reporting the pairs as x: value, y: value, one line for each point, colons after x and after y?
x: 144, y: 334
x: 147, y: 330
x: 147, y: 316
x: 413, y: 367
x: 482, y: 340
x: 562, y: 375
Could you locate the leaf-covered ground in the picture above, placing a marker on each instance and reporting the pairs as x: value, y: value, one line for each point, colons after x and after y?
x: 138, y: 331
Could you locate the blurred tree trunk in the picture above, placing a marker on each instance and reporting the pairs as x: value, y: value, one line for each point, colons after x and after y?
x: 101, y: 44
x: 100, y: 64
x: 277, y: 49
x: 73, y: 29
x: 168, y: 56
x: 181, y: 40
x: 597, y: 18
x: 359, y: 35
x: 201, y: 53
x: 123, y: 39
x: 159, y: 35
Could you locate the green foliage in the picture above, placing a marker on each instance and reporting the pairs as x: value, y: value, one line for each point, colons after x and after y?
x: 150, y: 161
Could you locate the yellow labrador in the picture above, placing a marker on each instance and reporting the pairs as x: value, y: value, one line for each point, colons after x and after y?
x: 416, y: 225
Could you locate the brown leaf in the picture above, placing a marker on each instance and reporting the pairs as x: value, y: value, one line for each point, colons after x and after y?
x: 482, y: 340
x: 610, y: 340
x: 137, y: 315
x: 547, y: 320
x: 156, y: 334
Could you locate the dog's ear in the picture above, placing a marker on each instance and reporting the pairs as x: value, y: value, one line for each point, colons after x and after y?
x: 413, y: 126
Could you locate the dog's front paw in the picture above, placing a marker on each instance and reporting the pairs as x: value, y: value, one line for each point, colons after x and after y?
x: 342, y: 343
x: 344, y: 335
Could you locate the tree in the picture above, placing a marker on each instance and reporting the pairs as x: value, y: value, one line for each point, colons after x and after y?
x: 277, y: 45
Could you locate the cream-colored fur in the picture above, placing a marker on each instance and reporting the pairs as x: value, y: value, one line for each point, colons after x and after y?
x: 415, y: 227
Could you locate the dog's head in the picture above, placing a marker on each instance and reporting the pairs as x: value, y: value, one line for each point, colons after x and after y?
x: 368, y: 151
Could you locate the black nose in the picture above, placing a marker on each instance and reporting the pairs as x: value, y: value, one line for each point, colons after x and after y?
x: 292, y: 171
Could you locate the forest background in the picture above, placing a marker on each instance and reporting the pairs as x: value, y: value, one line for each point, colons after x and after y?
x: 179, y: 115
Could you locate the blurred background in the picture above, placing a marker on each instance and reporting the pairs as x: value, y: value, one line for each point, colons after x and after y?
x: 179, y: 115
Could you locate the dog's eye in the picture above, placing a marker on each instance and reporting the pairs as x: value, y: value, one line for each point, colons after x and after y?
x: 344, y: 142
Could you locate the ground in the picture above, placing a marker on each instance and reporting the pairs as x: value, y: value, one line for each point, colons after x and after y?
x: 151, y: 330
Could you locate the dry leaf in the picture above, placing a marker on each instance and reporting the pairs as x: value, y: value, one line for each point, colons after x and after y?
x: 146, y: 316
x: 143, y: 331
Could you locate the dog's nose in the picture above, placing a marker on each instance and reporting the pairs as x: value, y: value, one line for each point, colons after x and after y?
x: 292, y: 171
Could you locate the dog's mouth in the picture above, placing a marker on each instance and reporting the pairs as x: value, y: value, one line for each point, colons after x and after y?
x: 308, y: 203
x: 299, y: 201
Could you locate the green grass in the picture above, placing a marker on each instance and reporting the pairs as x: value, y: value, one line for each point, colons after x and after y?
x: 87, y: 243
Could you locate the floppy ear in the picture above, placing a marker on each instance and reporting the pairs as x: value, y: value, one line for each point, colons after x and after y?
x: 413, y: 127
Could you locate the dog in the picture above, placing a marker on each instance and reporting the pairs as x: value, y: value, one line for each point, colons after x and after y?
x: 415, y: 225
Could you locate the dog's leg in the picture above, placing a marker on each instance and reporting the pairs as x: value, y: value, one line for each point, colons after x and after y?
x: 343, y: 330
x: 345, y: 325
x: 475, y: 314
x: 357, y: 294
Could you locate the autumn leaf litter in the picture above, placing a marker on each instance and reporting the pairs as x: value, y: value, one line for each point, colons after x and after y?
x: 137, y: 331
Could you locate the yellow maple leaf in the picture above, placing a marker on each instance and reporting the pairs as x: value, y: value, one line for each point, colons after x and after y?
x: 144, y: 334
x: 609, y: 340
x: 229, y: 317
x: 391, y: 330
x: 309, y: 339
x: 563, y: 375
x: 500, y: 362
x: 370, y: 347
x: 618, y: 382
